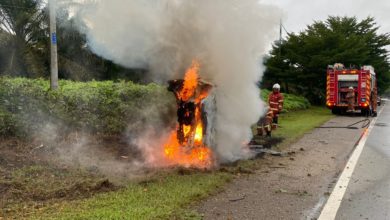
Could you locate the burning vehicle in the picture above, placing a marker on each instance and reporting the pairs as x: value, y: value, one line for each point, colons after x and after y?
x: 190, y: 145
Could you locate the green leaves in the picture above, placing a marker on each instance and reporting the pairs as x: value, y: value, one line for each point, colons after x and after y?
x: 22, y: 24
x: 291, y: 102
x: 300, y: 62
x: 99, y: 107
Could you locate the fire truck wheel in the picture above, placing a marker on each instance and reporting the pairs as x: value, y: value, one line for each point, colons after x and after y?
x: 336, y: 111
x: 365, y: 112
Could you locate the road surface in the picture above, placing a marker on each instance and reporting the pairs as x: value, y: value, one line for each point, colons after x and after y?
x: 368, y: 193
x: 292, y: 187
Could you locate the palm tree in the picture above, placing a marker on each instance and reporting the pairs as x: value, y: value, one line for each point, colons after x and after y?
x: 23, y: 37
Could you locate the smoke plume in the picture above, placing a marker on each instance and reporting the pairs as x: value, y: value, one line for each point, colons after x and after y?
x: 228, y: 37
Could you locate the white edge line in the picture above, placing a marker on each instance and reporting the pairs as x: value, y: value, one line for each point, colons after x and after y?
x: 331, y: 207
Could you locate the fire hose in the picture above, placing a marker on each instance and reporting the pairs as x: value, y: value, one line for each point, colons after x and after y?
x: 366, y: 122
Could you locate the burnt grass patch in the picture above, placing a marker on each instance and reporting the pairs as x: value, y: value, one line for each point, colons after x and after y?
x: 31, y: 176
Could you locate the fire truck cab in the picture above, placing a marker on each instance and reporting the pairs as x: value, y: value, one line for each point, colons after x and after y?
x: 364, y: 83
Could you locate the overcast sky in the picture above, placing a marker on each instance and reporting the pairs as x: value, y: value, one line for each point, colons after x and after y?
x: 299, y: 13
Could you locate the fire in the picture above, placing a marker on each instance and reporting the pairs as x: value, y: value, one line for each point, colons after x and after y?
x: 186, y: 130
x: 177, y: 154
x: 199, y: 133
x: 190, y: 81
x: 185, y: 146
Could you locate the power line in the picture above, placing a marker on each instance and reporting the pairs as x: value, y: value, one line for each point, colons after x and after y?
x: 284, y: 28
x: 281, y: 28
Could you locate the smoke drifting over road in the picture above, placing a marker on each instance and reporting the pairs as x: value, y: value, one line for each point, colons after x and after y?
x: 228, y: 37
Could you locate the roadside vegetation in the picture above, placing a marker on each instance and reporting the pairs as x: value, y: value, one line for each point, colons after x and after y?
x: 163, y: 197
x: 43, y: 191
x: 294, y: 125
x: 291, y: 102
x: 104, y: 107
x: 169, y: 194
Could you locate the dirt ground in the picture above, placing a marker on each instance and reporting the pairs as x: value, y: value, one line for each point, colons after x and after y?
x: 294, y: 186
x: 33, y: 173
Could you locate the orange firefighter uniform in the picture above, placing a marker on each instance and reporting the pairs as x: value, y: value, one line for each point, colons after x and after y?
x: 275, y: 101
x: 351, y: 99
x: 264, y: 125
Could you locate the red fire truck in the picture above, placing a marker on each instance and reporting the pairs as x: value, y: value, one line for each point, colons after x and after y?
x: 363, y: 81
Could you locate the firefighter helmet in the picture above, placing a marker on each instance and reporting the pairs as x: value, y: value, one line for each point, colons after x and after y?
x: 276, y: 86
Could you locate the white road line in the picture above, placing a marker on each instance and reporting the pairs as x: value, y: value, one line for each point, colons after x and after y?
x: 331, y: 207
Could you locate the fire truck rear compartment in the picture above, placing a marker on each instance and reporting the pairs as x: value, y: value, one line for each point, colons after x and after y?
x: 343, y: 88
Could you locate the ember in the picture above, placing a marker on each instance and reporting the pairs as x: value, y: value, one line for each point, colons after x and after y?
x: 187, y: 146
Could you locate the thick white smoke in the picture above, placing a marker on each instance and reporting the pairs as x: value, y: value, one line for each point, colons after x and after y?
x: 228, y: 37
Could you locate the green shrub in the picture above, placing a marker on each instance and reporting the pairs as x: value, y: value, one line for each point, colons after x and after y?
x: 7, y: 123
x: 107, y: 107
x: 291, y: 102
x: 27, y: 105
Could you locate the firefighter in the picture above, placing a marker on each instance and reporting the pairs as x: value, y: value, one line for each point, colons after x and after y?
x: 275, y: 101
x: 351, y: 99
x: 374, y: 103
x: 265, y: 124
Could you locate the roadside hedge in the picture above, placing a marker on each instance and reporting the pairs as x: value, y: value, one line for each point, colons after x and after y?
x: 28, y: 105
x: 291, y: 102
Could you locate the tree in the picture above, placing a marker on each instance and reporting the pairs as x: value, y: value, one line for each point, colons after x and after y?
x: 24, y: 45
x: 25, y: 36
x: 300, y: 61
x: 78, y: 62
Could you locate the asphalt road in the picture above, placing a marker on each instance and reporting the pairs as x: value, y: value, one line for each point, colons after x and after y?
x: 291, y: 187
x: 368, y: 193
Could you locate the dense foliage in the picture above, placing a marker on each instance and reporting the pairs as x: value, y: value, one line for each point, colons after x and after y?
x: 27, y: 106
x: 25, y: 45
x: 291, y: 102
x: 23, y: 40
x: 299, y: 63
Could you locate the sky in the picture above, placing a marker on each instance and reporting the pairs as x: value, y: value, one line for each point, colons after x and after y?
x: 297, y: 14
x: 300, y: 13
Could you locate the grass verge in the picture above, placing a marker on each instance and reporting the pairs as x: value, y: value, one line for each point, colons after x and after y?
x: 294, y: 125
x: 161, y: 198
x: 168, y: 195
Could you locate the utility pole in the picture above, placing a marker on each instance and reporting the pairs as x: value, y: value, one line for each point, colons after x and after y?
x: 280, y: 38
x: 53, y: 46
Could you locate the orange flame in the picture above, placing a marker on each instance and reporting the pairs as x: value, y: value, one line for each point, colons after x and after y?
x: 190, y: 81
x: 192, y: 152
x: 176, y: 154
x: 199, y: 133
x: 186, y: 130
